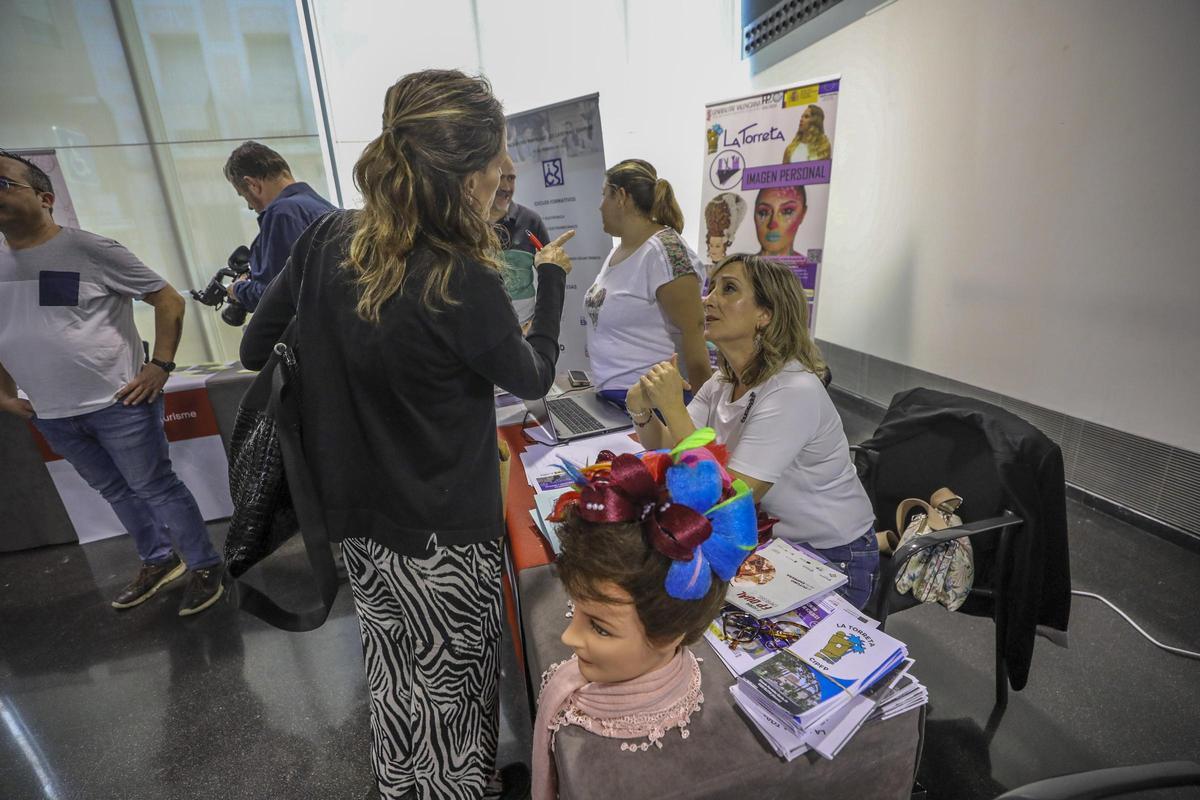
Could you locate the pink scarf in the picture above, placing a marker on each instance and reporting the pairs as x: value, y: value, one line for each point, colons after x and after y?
x: 648, y: 707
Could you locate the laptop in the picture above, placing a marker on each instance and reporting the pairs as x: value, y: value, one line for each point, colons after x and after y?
x: 577, y: 415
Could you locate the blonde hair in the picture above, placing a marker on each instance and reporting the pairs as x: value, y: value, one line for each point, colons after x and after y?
x: 438, y: 127
x: 815, y: 140
x: 652, y: 195
x: 786, y: 336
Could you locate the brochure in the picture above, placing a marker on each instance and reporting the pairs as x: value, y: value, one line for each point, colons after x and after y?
x: 777, y: 578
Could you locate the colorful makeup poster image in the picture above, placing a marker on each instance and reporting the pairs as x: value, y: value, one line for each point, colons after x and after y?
x: 767, y: 168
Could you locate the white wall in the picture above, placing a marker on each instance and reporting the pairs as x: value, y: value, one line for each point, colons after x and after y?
x: 1015, y: 201
x: 654, y: 62
x: 1016, y: 183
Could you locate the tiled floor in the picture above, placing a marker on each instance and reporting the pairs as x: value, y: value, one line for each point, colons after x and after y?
x: 96, y: 704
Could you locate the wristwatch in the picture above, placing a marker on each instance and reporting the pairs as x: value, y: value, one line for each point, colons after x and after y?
x: 165, y: 366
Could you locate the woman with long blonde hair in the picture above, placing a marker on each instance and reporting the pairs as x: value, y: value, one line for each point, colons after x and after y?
x: 404, y: 331
x: 769, y: 405
x: 811, y: 134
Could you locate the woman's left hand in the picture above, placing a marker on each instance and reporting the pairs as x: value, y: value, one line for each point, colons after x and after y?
x: 663, y: 386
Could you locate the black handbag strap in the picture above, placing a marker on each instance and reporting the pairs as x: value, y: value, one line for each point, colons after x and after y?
x: 285, y: 409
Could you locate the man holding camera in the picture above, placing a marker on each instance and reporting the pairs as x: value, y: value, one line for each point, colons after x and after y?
x: 285, y: 208
x: 68, y: 339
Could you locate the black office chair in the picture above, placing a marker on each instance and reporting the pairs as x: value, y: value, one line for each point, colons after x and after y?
x: 913, y: 458
x: 1111, y: 782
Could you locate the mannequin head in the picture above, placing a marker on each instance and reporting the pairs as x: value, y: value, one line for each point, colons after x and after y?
x: 649, y: 544
x: 625, y: 624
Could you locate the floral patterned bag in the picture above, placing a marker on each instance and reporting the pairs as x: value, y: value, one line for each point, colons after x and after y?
x: 944, y: 573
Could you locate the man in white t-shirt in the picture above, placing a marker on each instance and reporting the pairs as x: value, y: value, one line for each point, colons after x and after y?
x: 68, y: 340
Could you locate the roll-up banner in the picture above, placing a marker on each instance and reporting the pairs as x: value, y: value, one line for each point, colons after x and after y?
x: 559, y: 154
x: 767, y: 170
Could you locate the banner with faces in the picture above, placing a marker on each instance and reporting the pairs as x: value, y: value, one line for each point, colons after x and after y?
x: 767, y: 169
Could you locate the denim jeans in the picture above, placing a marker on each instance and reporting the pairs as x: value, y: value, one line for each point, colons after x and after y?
x: 617, y: 398
x: 121, y: 451
x: 860, y: 561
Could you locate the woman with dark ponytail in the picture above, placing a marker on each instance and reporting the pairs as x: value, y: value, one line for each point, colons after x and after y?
x: 644, y: 306
x: 404, y: 330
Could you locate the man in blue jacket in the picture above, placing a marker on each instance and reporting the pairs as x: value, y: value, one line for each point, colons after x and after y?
x: 285, y: 208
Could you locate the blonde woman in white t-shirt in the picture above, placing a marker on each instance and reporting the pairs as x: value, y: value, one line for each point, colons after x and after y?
x: 644, y: 306
x: 770, y: 407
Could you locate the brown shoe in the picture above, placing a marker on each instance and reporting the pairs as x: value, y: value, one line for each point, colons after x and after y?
x: 204, y: 589
x: 150, y: 578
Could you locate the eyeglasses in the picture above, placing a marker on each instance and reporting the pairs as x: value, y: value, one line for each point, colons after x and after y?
x: 738, y: 627
x: 7, y: 183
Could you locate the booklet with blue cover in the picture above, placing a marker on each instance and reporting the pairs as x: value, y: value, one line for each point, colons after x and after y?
x: 836, y: 660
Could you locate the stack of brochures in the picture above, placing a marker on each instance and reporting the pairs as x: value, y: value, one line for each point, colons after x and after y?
x: 819, y: 691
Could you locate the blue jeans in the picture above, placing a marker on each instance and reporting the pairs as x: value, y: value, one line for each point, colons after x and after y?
x: 860, y: 561
x: 617, y: 398
x: 121, y: 451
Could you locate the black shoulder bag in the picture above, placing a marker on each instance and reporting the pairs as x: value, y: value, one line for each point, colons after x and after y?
x: 272, y: 489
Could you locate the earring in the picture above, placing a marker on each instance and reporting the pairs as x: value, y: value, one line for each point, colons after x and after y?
x: 758, y: 337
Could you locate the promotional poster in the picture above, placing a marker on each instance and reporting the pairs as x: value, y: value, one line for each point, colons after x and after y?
x: 558, y: 151
x: 767, y: 170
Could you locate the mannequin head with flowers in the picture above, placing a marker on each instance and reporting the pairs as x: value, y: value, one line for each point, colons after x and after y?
x: 649, y: 544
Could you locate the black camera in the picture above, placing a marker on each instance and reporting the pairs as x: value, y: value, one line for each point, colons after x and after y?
x: 216, y: 294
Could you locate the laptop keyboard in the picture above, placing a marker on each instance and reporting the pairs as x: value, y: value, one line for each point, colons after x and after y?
x: 571, y: 416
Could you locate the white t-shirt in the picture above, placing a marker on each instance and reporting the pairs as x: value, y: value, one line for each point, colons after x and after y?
x: 67, y: 335
x: 629, y: 332
x: 787, y: 432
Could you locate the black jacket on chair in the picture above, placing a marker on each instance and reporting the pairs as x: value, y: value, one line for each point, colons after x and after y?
x: 1029, y: 469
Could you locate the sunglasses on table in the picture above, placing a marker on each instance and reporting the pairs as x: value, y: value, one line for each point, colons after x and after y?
x: 738, y: 627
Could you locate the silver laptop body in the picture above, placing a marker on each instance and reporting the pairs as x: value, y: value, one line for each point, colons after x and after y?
x: 577, y: 415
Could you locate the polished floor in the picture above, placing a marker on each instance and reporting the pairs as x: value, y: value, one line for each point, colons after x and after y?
x: 96, y: 704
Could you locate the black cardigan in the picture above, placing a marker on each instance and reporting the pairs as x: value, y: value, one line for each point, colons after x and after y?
x: 398, y: 418
x: 1029, y: 467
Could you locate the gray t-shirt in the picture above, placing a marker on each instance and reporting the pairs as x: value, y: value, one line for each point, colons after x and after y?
x: 67, y: 334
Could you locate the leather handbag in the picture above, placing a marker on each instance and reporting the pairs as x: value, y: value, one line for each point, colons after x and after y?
x: 273, y: 492
x: 945, y: 572
x: 263, y: 515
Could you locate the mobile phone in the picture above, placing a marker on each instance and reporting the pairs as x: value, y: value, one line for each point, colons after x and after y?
x: 578, y: 378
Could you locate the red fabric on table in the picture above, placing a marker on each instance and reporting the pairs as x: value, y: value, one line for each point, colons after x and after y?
x: 526, y: 543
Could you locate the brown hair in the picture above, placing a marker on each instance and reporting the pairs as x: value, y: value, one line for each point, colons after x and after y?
x: 786, y: 336
x: 254, y: 160
x: 438, y: 127
x: 618, y: 553
x: 652, y: 195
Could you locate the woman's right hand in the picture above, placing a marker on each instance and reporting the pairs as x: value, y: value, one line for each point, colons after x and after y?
x: 554, y: 253
x: 663, y: 387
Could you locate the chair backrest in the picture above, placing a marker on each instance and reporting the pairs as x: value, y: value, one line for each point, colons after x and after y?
x: 948, y: 453
x: 944, y: 450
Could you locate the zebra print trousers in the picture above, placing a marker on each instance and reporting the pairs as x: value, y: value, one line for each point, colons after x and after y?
x: 431, y: 633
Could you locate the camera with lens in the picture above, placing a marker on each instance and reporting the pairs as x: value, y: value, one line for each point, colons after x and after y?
x: 216, y: 294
